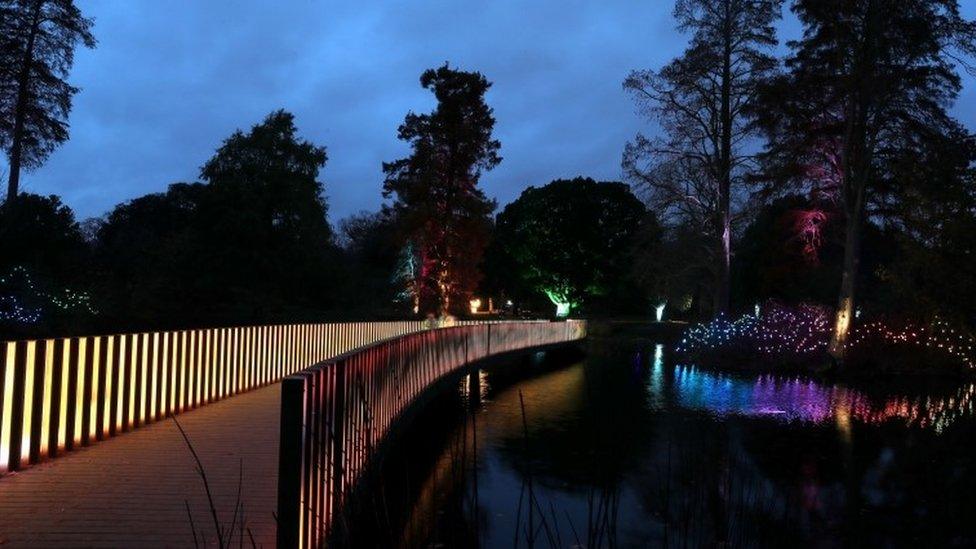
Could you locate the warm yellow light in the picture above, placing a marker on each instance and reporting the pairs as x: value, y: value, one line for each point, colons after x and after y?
x: 109, y: 379
x: 63, y: 405
x: 46, y: 402
x: 154, y: 379
x: 143, y: 381
x: 475, y: 305
x: 28, y: 406
x: 93, y: 395
x: 8, y: 397
x: 80, y: 389
x: 184, y: 378
x: 133, y: 361
x: 163, y: 379
x: 120, y: 385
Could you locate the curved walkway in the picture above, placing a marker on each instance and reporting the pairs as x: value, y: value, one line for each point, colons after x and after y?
x: 140, y: 498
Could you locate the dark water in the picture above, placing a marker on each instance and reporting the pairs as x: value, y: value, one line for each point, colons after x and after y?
x: 628, y: 449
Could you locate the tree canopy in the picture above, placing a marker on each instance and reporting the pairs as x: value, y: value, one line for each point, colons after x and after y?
x: 704, y: 101
x: 251, y: 244
x: 869, y: 82
x: 569, y: 240
x: 37, y: 44
x: 443, y: 214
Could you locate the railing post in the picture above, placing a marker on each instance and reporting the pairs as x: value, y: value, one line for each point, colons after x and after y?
x: 290, y: 469
x: 338, y: 443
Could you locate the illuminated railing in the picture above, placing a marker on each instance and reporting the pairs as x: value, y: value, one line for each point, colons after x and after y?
x: 335, y: 413
x: 59, y: 394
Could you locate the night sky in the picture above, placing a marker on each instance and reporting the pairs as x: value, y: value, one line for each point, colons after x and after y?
x: 170, y: 80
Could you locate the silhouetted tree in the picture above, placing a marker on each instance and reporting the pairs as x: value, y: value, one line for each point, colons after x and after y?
x: 703, y: 100
x: 869, y: 82
x: 269, y: 233
x: 251, y: 245
x: 932, y: 216
x: 40, y: 233
x: 37, y: 44
x: 44, y: 267
x: 442, y: 213
x: 371, y: 252
x: 569, y: 241
x: 673, y: 270
x: 150, y: 251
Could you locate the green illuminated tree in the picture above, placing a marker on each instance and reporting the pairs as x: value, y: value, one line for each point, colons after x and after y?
x: 37, y: 44
x: 569, y: 240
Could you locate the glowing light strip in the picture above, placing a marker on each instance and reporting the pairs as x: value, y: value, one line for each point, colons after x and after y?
x: 8, y: 408
x: 46, y: 398
x: 63, y: 405
x: 183, y: 369
x: 205, y: 368
x: 109, y: 379
x: 156, y: 374
x: 154, y: 377
x: 143, y: 381
x: 174, y: 369
x: 93, y: 403
x: 120, y: 385
x: 133, y: 366
x: 28, y: 409
x: 163, y: 379
x: 198, y: 363
x: 80, y: 389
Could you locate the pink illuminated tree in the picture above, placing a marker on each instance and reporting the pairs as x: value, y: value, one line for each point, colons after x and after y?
x: 870, y: 81
x: 441, y: 211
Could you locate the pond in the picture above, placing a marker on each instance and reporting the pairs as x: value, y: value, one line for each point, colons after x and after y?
x: 626, y: 448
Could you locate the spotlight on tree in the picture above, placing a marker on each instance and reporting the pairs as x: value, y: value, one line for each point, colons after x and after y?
x: 659, y: 311
x: 563, y: 304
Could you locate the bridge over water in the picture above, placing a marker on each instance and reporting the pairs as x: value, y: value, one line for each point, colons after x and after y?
x: 280, y: 458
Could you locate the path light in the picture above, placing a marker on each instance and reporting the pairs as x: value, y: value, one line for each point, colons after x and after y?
x: 475, y: 304
x: 659, y: 311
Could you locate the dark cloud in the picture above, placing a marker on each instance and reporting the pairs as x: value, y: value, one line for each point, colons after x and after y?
x: 170, y: 80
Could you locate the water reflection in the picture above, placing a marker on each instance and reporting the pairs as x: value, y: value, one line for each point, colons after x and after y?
x: 794, y: 399
x: 627, y: 449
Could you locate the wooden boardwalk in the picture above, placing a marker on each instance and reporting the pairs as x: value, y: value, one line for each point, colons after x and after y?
x: 132, y: 490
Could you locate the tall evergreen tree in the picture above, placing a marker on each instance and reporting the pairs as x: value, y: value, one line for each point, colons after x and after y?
x: 441, y: 210
x: 869, y: 82
x: 704, y: 100
x: 37, y: 44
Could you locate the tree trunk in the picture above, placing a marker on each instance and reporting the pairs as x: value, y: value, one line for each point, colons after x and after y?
x: 845, y: 302
x: 724, y: 223
x: 20, y: 109
x: 723, y: 275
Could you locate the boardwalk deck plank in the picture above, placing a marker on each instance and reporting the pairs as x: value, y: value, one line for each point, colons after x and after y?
x: 129, y: 491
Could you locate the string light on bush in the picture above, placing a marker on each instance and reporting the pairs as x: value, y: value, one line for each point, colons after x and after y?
x: 11, y: 309
x: 802, y: 332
